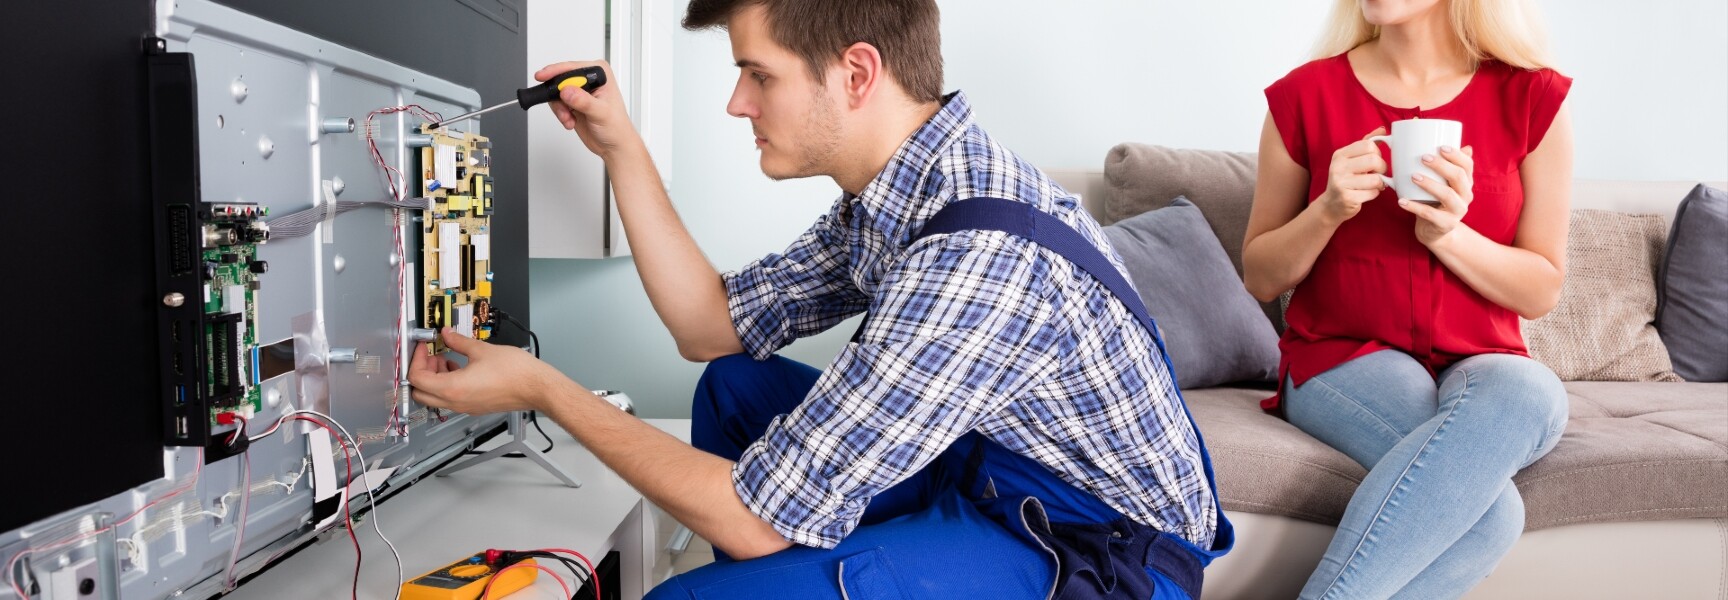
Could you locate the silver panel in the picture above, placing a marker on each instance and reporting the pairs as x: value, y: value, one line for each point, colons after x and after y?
x: 263, y: 91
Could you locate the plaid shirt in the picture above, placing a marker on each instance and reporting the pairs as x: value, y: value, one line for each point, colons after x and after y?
x: 967, y: 331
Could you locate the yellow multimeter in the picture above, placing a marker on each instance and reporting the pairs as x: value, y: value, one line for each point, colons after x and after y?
x: 466, y: 578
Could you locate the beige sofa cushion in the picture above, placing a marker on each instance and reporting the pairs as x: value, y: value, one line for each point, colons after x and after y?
x: 1145, y: 177
x: 1266, y: 465
x: 1632, y: 452
x: 1604, y: 328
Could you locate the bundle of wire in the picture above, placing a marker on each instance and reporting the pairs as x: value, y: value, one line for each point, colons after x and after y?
x: 398, y: 366
x: 346, y: 441
x: 245, y: 499
x: 303, y: 223
x: 392, y: 174
x: 512, y: 559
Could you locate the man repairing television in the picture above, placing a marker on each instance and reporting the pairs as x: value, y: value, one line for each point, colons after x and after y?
x: 1004, y: 424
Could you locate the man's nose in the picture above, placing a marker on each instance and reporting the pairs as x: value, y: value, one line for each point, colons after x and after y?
x: 740, y: 105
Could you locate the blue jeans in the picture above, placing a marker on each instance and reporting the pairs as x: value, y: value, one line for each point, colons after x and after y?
x: 1438, y: 509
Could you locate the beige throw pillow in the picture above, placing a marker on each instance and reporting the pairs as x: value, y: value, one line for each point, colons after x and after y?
x: 1603, y: 328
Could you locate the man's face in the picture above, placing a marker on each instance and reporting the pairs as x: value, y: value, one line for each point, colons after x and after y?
x: 796, y: 119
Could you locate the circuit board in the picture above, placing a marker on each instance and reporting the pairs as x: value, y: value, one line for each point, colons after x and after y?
x: 456, y: 261
x: 231, y: 272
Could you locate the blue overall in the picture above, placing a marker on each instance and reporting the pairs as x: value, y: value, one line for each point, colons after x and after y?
x: 980, y: 521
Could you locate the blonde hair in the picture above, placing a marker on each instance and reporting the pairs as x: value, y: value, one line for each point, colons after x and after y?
x: 1505, y: 30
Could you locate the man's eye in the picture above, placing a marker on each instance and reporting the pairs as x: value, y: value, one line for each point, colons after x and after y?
x: 760, y: 78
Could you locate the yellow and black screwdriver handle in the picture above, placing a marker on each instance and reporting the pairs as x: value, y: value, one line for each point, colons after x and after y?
x: 587, y: 78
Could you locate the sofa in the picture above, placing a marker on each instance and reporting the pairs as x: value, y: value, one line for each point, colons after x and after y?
x: 1631, y: 503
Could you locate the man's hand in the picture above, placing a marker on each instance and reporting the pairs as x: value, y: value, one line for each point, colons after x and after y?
x: 599, y: 118
x: 497, y: 378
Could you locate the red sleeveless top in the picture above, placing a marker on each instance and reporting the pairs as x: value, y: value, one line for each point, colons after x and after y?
x: 1375, y: 287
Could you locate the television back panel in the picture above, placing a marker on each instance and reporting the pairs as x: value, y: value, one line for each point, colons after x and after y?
x: 304, y: 317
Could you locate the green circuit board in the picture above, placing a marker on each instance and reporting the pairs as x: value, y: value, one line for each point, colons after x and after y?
x: 230, y: 330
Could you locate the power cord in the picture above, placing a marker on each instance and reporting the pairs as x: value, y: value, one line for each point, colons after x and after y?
x: 504, y: 560
x: 534, y: 339
x: 533, y: 416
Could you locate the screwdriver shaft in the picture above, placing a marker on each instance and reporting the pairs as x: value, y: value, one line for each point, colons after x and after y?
x: 472, y: 114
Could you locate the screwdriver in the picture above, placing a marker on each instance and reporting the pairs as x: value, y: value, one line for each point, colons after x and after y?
x: 588, y: 78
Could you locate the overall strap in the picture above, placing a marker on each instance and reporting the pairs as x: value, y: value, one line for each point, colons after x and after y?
x: 1041, y: 228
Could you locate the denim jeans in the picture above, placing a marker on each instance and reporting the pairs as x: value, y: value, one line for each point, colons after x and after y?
x: 1438, y: 509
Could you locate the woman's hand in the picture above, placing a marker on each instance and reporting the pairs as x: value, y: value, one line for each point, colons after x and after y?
x: 1458, y: 167
x: 1353, y: 179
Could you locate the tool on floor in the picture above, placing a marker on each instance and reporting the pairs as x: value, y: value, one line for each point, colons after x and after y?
x: 588, y: 78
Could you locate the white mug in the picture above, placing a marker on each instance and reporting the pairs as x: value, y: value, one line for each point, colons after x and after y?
x: 1411, y: 139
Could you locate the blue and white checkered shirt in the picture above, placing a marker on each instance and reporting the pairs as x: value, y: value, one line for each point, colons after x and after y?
x: 975, y: 330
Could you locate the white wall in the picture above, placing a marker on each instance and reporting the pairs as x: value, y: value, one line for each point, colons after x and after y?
x: 1063, y: 82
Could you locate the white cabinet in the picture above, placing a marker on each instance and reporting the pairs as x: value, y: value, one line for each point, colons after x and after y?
x: 570, y: 207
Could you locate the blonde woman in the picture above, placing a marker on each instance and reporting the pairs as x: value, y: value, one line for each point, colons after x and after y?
x: 1403, y: 348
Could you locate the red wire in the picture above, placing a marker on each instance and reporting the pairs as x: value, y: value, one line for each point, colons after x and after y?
x: 245, y: 502
x: 391, y: 174
x: 238, y: 431
x: 488, y: 589
x: 347, y: 507
x: 593, y: 576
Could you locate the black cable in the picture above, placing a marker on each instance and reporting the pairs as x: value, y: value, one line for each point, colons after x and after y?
x: 533, y: 416
x: 534, y: 339
x: 533, y: 419
x: 583, y: 575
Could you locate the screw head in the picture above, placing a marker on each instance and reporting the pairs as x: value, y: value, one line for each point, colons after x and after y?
x: 174, y: 300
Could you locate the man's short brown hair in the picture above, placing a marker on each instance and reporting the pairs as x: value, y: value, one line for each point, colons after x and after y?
x: 906, y: 32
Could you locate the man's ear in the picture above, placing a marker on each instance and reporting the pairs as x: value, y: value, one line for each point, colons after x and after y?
x: 861, y: 64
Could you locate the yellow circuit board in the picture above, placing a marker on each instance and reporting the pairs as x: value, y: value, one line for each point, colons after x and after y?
x: 456, y: 264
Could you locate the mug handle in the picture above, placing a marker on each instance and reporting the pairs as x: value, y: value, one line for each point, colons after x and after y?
x: 1383, y: 139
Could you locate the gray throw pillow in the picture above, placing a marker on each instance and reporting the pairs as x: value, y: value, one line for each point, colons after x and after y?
x: 1143, y: 177
x: 1692, y: 287
x: 1213, y: 329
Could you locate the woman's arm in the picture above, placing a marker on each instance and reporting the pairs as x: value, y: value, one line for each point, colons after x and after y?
x: 1286, y: 233
x: 1526, y: 276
